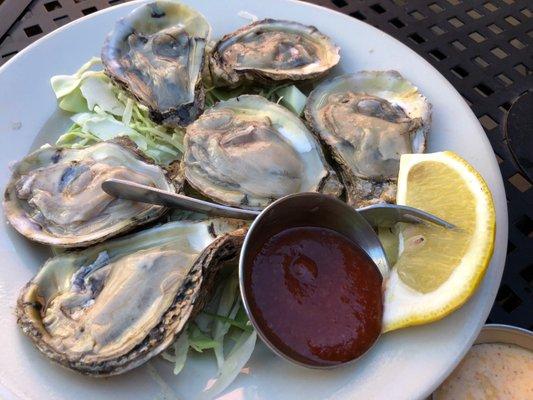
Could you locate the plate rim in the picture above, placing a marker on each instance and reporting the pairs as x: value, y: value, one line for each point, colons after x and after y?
x: 11, y: 63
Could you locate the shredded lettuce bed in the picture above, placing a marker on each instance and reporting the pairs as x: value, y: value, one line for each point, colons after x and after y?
x: 287, y: 95
x: 100, y: 111
x: 222, y: 328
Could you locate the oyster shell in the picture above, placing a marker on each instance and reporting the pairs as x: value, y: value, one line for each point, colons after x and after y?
x: 368, y: 120
x: 272, y: 50
x: 111, y: 307
x: 247, y: 152
x: 54, y: 195
x: 156, y: 53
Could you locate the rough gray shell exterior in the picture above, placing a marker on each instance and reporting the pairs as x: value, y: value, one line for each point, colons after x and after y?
x: 366, y: 120
x: 247, y: 152
x: 188, y: 301
x: 19, y: 214
x: 156, y: 53
x: 226, y: 74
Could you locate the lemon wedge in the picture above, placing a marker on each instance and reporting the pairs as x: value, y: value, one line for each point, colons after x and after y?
x: 439, y: 269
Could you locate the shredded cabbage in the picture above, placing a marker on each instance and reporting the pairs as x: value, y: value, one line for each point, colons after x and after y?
x: 102, y: 111
x: 99, y: 92
x: 200, y: 341
x: 181, y: 348
x: 286, y: 94
x: 236, y: 360
x: 222, y: 327
x: 62, y: 85
x: 227, y: 309
x: 292, y: 98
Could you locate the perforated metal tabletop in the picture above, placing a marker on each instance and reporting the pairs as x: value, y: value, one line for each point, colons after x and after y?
x: 483, y: 47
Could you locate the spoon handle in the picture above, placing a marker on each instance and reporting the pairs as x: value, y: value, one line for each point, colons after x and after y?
x: 147, y: 194
x: 376, y: 215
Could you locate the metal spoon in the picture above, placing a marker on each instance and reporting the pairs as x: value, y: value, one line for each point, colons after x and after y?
x: 376, y: 215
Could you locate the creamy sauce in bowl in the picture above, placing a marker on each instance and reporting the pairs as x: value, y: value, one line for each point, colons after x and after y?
x: 491, y: 371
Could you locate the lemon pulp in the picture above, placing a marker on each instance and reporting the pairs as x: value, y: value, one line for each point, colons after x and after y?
x: 439, y: 269
x: 431, y: 252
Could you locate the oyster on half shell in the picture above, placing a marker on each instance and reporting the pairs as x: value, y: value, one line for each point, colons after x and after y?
x: 109, y: 308
x: 156, y: 53
x: 368, y: 120
x: 272, y: 50
x: 247, y: 152
x: 55, y: 197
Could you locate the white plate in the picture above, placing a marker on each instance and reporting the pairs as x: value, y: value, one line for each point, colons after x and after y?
x: 407, y: 364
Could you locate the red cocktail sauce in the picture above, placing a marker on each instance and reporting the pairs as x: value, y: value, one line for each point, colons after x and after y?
x: 316, y: 295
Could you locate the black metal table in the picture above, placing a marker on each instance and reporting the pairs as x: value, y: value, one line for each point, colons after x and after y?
x: 483, y: 47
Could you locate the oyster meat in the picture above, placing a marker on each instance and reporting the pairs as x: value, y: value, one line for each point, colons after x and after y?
x: 368, y: 120
x: 247, y: 152
x: 111, y: 307
x: 272, y: 50
x: 156, y: 53
x: 54, y: 195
